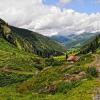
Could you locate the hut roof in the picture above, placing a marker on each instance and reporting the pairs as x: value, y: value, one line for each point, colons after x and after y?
x: 73, y: 58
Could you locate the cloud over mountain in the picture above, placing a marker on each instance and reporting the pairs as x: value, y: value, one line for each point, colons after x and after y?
x: 48, y: 20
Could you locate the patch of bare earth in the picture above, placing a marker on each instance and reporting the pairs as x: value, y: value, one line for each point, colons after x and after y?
x: 7, y: 70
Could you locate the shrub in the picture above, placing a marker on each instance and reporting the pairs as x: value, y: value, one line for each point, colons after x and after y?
x: 49, y: 61
x: 8, y: 79
x: 53, y: 62
x: 65, y: 87
x: 92, y: 71
x: 38, y: 63
x: 25, y: 86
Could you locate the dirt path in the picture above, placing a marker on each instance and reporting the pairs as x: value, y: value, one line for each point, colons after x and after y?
x: 96, y: 63
x: 4, y: 69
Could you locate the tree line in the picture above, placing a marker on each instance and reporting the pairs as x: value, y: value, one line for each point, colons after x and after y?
x: 91, y: 46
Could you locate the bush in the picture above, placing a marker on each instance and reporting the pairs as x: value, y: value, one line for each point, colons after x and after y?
x: 8, y: 79
x: 49, y: 61
x: 53, y: 62
x: 38, y: 63
x: 65, y: 87
x: 92, y: 71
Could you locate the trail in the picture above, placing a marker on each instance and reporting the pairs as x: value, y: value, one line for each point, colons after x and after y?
x: 96, y: 63
x: 5, y: 69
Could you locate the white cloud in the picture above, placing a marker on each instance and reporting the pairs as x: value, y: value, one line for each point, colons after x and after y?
x: 47, y: 20
x: 64, y: 1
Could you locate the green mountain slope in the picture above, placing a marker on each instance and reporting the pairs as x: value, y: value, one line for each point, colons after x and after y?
x: 30, y: 41
x: 13, y: 58
x: 42, y: 45
x: 10, y: 36
x: 12, y: 52
x: 91, y: 45
x: 73, y: 40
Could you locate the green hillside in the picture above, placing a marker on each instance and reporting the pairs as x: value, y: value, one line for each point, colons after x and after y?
x: 13, y: 58
x: 27, y: 76
x: 30, y: 41
x: 61, y: 82
x: 73, y: 40
x: 42, y: 45
x: 91, y: 45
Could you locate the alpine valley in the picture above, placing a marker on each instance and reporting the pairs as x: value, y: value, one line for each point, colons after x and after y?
x: 36, y: 67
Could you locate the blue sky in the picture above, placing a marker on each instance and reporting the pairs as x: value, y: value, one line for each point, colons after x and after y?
x: 87, y: 6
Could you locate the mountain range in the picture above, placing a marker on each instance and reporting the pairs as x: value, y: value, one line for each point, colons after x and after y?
x: 74, y: 40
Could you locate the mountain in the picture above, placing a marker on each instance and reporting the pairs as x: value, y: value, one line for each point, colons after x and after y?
x: 73, y: 40
x: 92, y: 45
x: 61, y: 39
x: 30, y: 41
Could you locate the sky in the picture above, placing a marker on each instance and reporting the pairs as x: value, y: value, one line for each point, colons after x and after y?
x: 82, y: 6
x: 53, y: 17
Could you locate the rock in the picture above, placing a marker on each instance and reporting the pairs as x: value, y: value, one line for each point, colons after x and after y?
x: 82, y: 74
x: 51, y: 89
x: 67, y: 76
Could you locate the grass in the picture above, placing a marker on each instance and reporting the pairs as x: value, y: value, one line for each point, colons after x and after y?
x: 53, y: 75
x: 92, y: 71
x: 8, y: 79
x: 14, y: 86
x: 13, y: 58
x: 84, y: 91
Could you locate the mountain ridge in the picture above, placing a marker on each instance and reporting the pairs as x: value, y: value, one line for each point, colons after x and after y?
x: 73, y: 40
x: 30, y: 41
